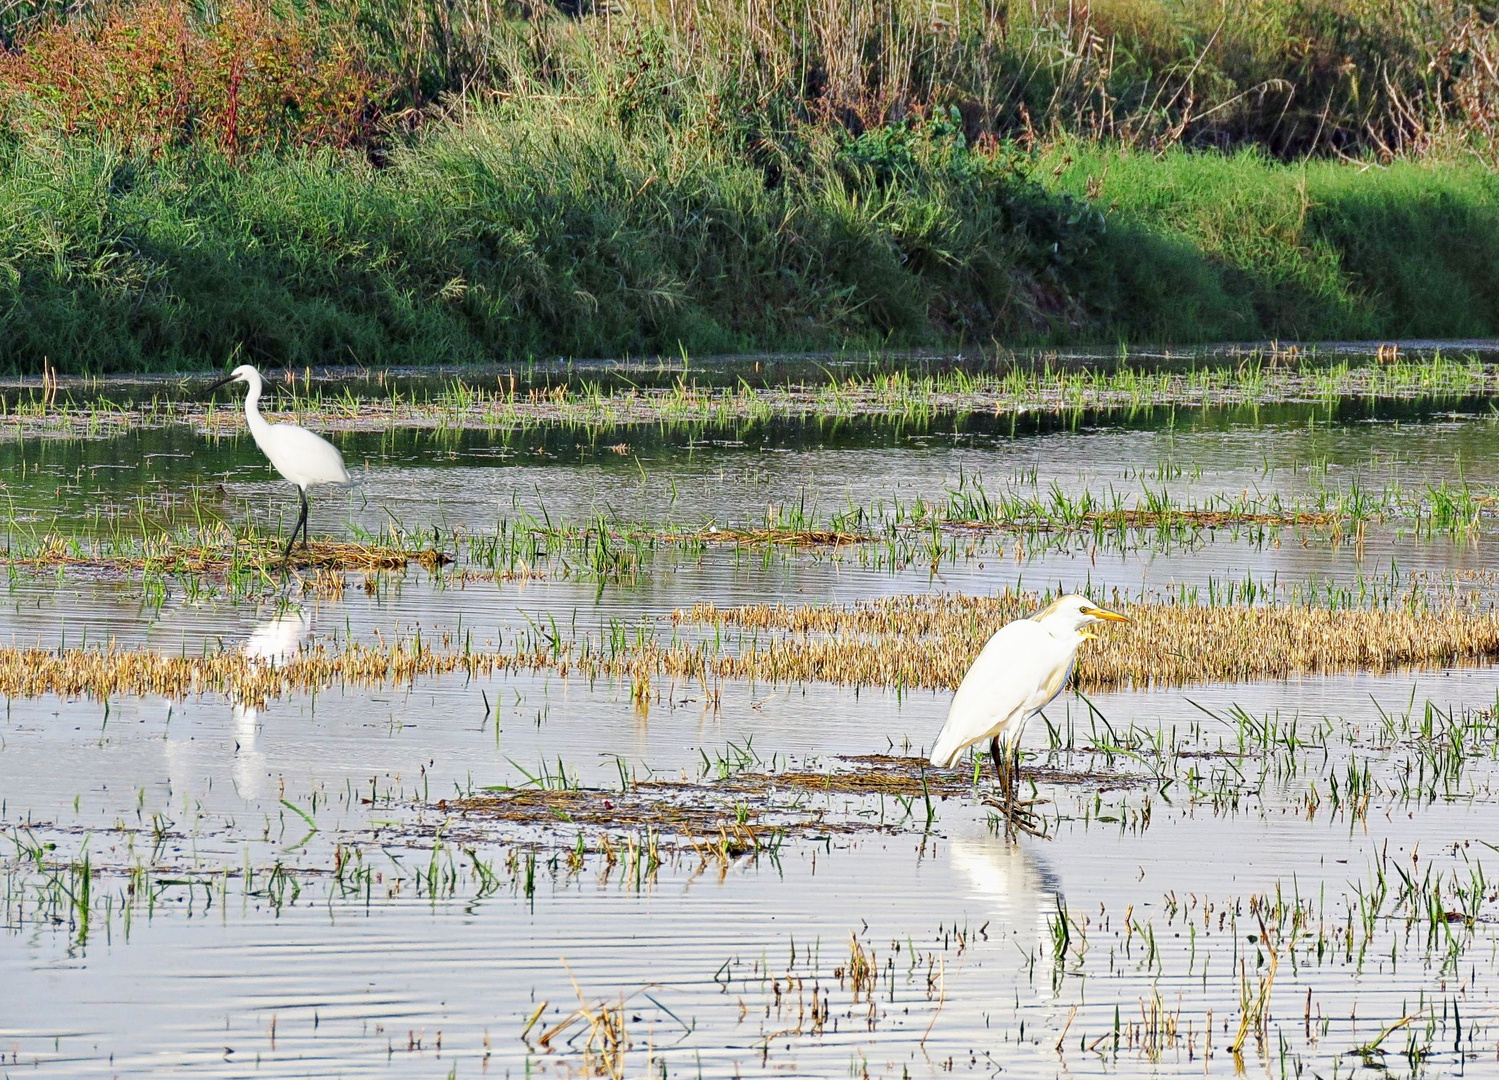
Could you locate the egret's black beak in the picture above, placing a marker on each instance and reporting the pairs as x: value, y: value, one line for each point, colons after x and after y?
x: 225, y: 381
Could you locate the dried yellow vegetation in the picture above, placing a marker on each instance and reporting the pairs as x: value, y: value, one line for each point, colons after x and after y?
x: 930, y: 640
x: 901, y: 642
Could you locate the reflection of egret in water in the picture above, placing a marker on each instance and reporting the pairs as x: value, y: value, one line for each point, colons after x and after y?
x: 274, y: 641
x: 279, y: 638
x: 249, y: 763
x: 1012, y: 882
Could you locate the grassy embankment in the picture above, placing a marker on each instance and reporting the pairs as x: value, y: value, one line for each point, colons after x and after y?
x: 457, y: 182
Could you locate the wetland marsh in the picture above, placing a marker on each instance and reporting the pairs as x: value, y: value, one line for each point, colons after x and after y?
x: 589, y: 736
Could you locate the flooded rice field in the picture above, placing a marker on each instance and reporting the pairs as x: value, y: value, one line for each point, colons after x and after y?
x: 589, y: 735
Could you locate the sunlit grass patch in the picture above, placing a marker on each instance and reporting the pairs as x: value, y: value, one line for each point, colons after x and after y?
x: 928, y: 641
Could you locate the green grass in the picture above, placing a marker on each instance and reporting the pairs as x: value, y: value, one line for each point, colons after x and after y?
x: 1211, y: 246
x: 517, y: 235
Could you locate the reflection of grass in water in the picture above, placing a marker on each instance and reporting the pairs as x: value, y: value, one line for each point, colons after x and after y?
x: 1010, y: 389
x: 754, y: 802
x: 1118, y: 517
x: 1428, y: 913
x: 1429, y: 909
x: 1229, y: 760
x: 1302, y: 947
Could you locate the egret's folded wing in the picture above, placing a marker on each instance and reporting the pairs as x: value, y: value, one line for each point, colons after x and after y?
x: 303, y: 456
x: 1015, y: 666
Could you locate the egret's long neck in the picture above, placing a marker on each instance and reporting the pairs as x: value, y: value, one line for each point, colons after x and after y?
x: 257, y: 423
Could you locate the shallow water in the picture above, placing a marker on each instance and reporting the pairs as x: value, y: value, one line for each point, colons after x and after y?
x: 419, y: 481
x: 242, y: 951
x: 730, y: 476
x: 346, y: 979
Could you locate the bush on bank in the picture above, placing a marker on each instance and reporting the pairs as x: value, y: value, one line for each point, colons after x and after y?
x: 500, y: 239
x: 507, y: 237
x: 463, y: 181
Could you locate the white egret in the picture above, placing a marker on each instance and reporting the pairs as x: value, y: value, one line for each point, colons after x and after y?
x: 1021, y: 668
x: 301, y: 457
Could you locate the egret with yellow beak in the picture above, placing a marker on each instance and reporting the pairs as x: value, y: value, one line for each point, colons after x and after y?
x: 1021, y: 668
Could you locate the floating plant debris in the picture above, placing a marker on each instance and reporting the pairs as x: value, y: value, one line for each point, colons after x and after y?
x: 746, y: 810
x: 218, y: 552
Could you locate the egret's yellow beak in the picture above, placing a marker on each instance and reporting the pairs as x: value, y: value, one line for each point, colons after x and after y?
x: 1105, y: 613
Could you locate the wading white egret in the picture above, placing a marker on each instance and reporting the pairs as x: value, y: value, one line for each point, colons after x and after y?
x: 301, y: 457
x: 1021, y: 668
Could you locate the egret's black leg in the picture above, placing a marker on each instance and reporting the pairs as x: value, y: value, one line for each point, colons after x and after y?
x: 303, y: 493
x: 1001, y: 767
x: 1018, y: 816
x: 301, y: 523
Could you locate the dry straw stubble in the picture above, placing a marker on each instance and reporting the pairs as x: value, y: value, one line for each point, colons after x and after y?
x: 907, y: 642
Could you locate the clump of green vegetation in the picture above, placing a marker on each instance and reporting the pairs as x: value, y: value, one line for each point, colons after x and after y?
x: 514, y: 234
x: 1305, y: 384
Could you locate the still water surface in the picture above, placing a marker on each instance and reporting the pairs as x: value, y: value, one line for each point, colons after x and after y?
x: 720, y: 967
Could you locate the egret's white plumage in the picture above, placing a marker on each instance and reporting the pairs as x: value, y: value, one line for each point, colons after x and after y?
x: 302, y: 457
x: 1021, y: 668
